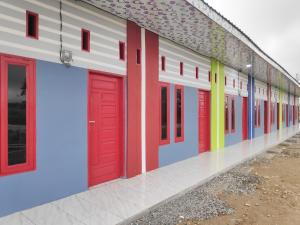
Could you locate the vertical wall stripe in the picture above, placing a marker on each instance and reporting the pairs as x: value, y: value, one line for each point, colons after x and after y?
x: 152, y: 95
x: 217, y: 105
x: 280, y: 109
x: 143, y: 61
x: 134, y: 101
x: 251, y: 85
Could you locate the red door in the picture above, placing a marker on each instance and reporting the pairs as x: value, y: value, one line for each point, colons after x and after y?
x: 245, y: 118
x: 204, y: 121
x: 266, y: 117
x: 105, y: 128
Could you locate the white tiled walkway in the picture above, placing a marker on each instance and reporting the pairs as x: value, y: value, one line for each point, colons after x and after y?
x: 121, y: 199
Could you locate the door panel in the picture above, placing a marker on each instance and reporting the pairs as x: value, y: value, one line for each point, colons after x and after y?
x: 204, y: 120
x: 245, y: 118
x: 105, y: 128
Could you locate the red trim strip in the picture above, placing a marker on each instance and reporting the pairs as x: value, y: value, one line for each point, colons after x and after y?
x: 134, y: 145
x: 152, y: 103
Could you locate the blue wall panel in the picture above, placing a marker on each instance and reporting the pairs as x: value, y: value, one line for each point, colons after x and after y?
x: 61, y: 141
x: 179, y: 151
x: 233, y: 138
x: 259, y: 131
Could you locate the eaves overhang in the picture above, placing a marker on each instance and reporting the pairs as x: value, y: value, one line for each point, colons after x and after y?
x: 197, y: 26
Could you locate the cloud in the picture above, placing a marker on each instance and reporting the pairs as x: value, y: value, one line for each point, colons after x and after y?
x: 273, y: 25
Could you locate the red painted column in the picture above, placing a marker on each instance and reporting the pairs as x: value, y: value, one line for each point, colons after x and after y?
x: 152, y: 102
x: 268, y: 109
x: 133, y: 101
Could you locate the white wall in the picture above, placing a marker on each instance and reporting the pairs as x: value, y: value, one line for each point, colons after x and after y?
x: 174, y: 54
x: 106, y: 32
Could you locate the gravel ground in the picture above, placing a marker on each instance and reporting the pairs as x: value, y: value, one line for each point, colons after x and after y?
x: 203, y: 203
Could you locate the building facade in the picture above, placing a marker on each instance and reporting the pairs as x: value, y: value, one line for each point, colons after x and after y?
x: 88, y: 97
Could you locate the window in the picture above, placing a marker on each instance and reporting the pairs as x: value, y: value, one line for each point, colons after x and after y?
x: 85, y: 40
x: 215, y: 77
x: 122, y: 50
x: 272, y: 113
x: 208, y: 76
x: 163, y: 63
x: 32, y: 25
x: 226, y: 115
x: 257, y: 113
x: 225, y: 80
x: 197, y: 72
x: 232, y: 115
x: 283, y: 107
x: 138, y: 56
x: 181, y: 68
x: 179, y: 113
x: 164, y: 114
x: 17, y: 91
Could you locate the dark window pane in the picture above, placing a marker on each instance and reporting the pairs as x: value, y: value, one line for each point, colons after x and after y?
x: 178, y: 112
x: 164, y: 111
x: 31, y: 25
x: 232, y: 115
x: 16, y: 114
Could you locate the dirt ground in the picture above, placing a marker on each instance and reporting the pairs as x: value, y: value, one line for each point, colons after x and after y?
x: 276, y: 200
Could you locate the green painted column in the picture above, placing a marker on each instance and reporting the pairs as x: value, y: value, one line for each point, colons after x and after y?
x: 217, y: 105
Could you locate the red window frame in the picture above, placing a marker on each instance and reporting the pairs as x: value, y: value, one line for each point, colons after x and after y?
x: 122, y: 50
x: 258, y: 113
x: 88, y: 40
x: 226, y: 119
x: 166, y: 141
x: 181, y: 138
x: 233, y: 119
x: 181, y: 68
x: 36, y: 28
x: 163, y: 63
x: 30, y: 163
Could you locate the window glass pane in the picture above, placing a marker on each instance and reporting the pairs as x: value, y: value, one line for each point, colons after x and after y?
x: 164, y: 111
x: 31, y: 25
x: 16, y: 114
x: 178, y: 113
x: 226, y: 114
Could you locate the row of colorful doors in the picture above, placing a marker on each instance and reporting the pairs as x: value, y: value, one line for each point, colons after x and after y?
x: 105, y: 126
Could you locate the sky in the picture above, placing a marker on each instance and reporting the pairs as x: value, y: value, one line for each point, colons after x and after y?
x: 274, y: 25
